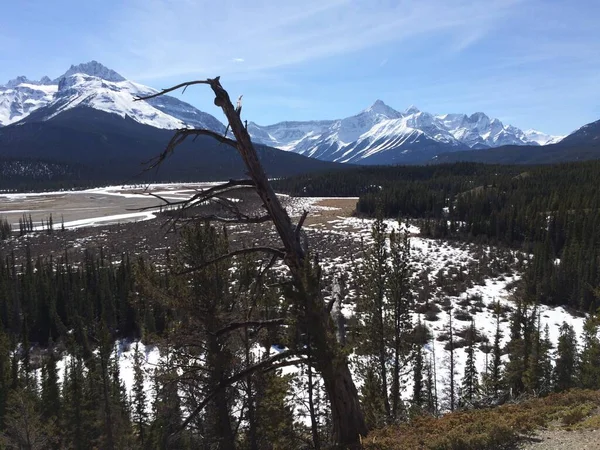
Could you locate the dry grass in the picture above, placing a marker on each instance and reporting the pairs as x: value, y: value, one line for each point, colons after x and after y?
x: 344, y: 207
x: 494, y: 428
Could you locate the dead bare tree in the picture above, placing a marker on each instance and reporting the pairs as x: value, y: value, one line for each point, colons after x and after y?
x: 326, y: 354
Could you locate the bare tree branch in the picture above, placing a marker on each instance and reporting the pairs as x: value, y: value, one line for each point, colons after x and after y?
x: 301, y: 222
x: 231, y: 380
x: 291, y: 362
x: 244, y: 251
x: 330, y: 304
x: 201, y: 196
x: 250, y: 323
x: 180, y: 136
x: 174, y: 88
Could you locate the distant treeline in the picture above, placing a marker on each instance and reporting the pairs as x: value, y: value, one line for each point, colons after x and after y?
x: 551, y: 211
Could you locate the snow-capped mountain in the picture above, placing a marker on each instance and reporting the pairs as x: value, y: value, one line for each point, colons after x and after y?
x: 380, y: 135
x: 376, y: 135
x: 20, y: 97
x: 541, y: 138
x: 93, y: 85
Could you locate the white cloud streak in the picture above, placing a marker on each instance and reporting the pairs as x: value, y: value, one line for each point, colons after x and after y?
x: 166, y: 38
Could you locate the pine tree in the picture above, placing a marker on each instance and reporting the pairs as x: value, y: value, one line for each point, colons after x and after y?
x: 470, y: 381
x: 51, y: 401
x: 589, y: 377
x: 565, y: 374
x: 494, y: 375
x: 546, y: 361
x: 536, y: 376
x: 451, y: 388
x: 519, y: 346
x: 28, y: 380
x: 418, y: 396
x: 5, y: 373
x: 139, y: 414
x: 399, y: 305
x: 372, y: 312
x: 371, y: 399
x: 430, y: 389
x: 75, y: 417
x: 274, y: 416
x: 166, y: 412
x: 23, y: 421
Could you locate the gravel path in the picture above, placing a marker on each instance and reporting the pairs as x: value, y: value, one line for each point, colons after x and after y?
x: 567, y: 440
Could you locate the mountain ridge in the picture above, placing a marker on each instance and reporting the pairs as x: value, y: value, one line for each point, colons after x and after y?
x: 378, y: 134
x: 381, y: 134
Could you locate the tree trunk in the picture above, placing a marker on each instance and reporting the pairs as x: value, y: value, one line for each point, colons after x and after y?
x: 311, y: 405
x: 346, y: 413
x: 221, y: 425
x: 348, y: 420
x: 108, y: 423
x: 396, y: 377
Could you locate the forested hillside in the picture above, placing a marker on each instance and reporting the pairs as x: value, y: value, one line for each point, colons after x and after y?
x: 550, y: 211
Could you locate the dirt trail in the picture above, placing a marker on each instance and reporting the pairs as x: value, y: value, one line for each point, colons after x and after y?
x: 562, y: 439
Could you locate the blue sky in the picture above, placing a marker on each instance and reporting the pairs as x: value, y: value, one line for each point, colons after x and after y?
x: 531, y: 63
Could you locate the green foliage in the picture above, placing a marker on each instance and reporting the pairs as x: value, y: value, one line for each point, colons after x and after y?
x: 470, y: 383
x: 385, y: 332
x: 24, y: 427
x: 5, y: 229
x: 139, y: 398
x: 372, y: 400
x: 274, y: 415
x: 589, y: 374
x: 43, y: 298
x: 537, y: 378
x: 493, y: 377
x: 565, y: 370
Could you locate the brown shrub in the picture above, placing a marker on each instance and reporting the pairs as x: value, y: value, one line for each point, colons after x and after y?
x: 485, y: 429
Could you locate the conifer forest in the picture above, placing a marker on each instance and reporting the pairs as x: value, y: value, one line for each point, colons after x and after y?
x: 207, y: 345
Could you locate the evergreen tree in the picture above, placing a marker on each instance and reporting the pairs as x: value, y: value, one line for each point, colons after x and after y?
x: 274, y: 416
x: 589, y: 377
x: 451, y: 388
x: 430, y: 389
x: 419, y: 395
x: 75, y: 416
x: 400, y: 306
x: 565, y: 373
x: 372, y: 312
x: 139, y: 400
x: 50, y: 401
x: 371, y: 399
x: 494, y: 375
x: 166, y: 413
x: 519, y: 347
x: 470, y: 381
x: 23, y: 421
x: 536, y: 377
x: 5, y: 374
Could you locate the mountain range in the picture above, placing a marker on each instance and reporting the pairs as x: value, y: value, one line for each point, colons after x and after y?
x: 88, y: 118
x: 581, y: 145
x: 89, y: 113
x: 382, y: 135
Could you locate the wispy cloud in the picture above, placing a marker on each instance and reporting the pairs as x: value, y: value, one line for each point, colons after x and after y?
x: 165, y: 38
